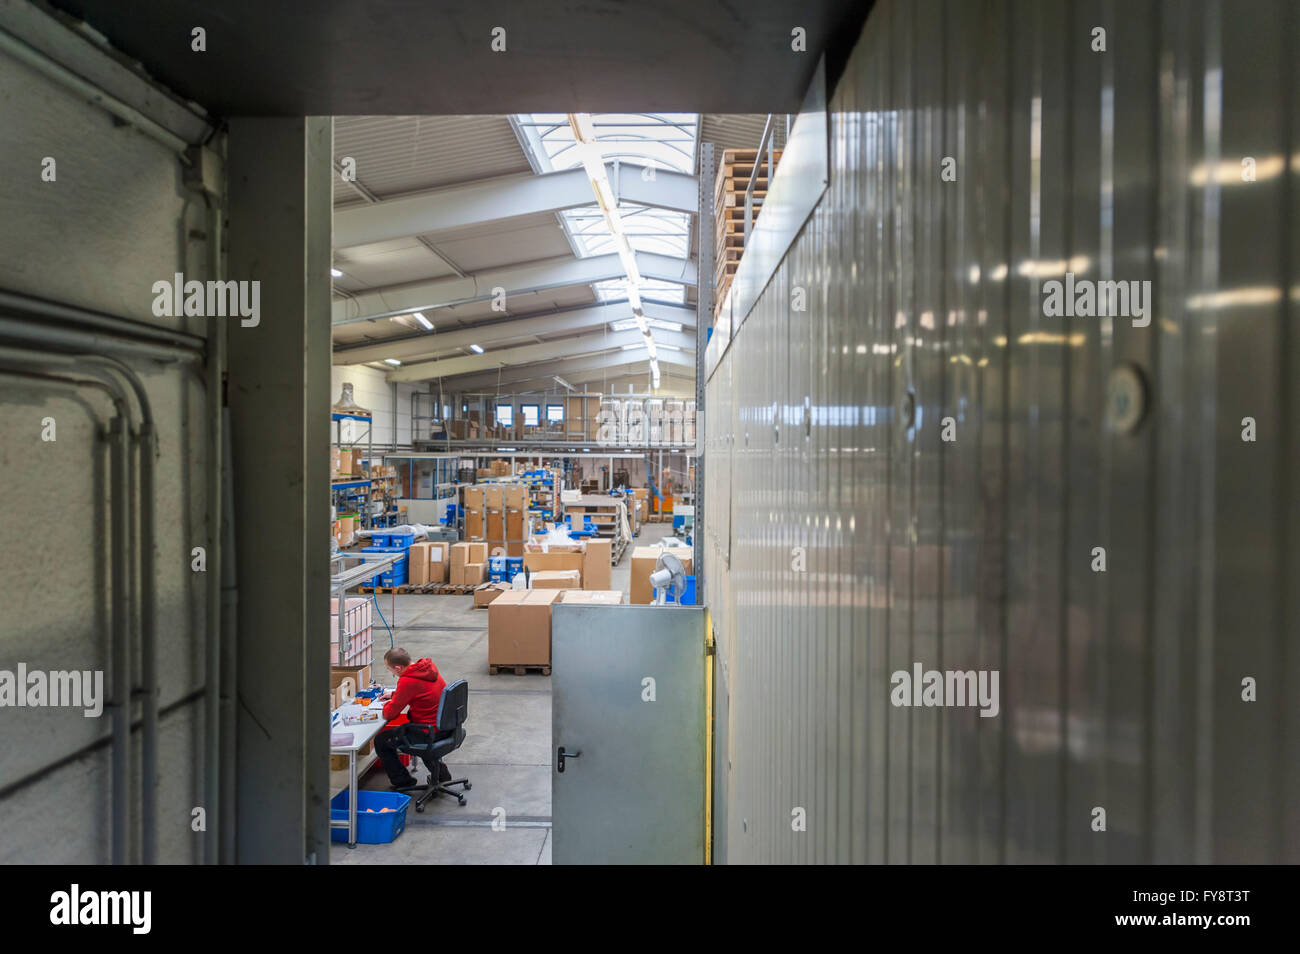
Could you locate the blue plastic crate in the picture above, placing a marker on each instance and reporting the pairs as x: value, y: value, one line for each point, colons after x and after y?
x: 379, y: 539
x: 373, y: 828
x: 514, y: 565
x: 401, y: 539
x: 688, y: 597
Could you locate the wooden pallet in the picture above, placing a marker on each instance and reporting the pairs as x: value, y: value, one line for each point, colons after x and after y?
x: 519, y: 670
x: 446, y: 589
x: 736, y: 200
x: 732, y: 227
x: 426, y: 589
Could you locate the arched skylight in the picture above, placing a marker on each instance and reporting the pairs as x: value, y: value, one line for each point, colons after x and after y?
x: 662, y: 140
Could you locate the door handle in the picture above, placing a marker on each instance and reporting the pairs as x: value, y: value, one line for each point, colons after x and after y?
x: 562, y: 755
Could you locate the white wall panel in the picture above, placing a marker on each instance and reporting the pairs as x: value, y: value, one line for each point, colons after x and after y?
x: 1120, y: 689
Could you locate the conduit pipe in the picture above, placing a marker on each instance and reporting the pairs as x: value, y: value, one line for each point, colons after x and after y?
x: 163, y: 346
x: 121, y: 583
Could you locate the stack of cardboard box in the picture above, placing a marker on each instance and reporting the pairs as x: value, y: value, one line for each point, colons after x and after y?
x: 469, y: 566
x: 495, y: 515
x: 428, y: 562
x: 344, y: 462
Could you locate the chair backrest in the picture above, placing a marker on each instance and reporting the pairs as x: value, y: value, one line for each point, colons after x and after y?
x: 453, y: 707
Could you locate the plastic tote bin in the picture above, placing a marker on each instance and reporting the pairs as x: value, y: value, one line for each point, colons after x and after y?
x: 374, y: 827
x: 401, y: 539
x: 688, y: 596
x: 379, y: 539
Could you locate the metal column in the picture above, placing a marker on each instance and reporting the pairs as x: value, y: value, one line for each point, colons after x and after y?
x: 280, y: 207
x: 704, y: 252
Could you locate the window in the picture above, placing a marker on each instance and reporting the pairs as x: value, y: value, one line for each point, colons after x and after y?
x: 555, y: 412
x: 506, y: 415
x: 532, y: 414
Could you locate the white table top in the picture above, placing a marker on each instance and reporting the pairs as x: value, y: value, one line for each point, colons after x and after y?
x: 362, y: 732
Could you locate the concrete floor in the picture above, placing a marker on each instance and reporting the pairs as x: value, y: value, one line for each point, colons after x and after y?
x: 507, y: 750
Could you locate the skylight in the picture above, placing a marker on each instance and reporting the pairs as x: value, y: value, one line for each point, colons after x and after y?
x: 659, y: 140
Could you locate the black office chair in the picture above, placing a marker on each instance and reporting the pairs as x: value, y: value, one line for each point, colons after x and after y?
x: 432, y: 747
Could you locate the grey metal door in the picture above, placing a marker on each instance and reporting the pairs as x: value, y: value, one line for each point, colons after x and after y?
x: 628, y: 710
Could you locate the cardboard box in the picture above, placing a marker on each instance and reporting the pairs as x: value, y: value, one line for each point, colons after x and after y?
x: 538, y: 562
x: 519, y: 628
x: 465, y: 553
x: 643, y: 564
x: 593, y: 597
x: 439, y: 561
x: 470, y: 574
x: 359, y: 676
x: 335, y: 460
x: 417, y: 563
x: 535, y: 545
x: 595, y: 564
x: 488, y: 592
x: 556, y: 579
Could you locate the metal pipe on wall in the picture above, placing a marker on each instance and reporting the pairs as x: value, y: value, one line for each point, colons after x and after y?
x: 216, y: 352
x: 93, y: 94
x: 105, y: 369
x: 229, y: 651
x: 168, y: 345
x: 121, y: 584
x: 146, y: 443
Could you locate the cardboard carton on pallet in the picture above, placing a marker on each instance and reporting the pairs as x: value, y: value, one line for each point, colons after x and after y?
x: 519, y: 630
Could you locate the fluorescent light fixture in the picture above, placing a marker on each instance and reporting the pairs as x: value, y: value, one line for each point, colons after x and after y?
x: 335, y: 273
x: 428, y: 325
x: 584, y: 135
x: 626, y: 324
x: 477, y: 349
x: 393, y: 361
x: 563, y: 383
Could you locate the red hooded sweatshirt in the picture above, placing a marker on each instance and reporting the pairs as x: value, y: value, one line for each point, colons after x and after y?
x: 420, y: 687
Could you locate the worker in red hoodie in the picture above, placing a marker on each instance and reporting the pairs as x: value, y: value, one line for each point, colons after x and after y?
x: 419, y: 687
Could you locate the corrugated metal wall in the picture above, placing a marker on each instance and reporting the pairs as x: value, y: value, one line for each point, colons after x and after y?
x: 1119, y: 689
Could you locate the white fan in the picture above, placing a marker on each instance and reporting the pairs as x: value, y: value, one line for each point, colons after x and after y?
x: 669, y: 574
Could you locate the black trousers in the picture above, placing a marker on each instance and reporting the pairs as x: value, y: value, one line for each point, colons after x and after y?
x: 386, y: 744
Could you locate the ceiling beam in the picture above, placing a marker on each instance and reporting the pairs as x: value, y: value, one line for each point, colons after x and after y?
x: 550, y: 273
x: 615, y: 363
x: 428, y: 345
x: 490, y: 200
x: 563, y: 347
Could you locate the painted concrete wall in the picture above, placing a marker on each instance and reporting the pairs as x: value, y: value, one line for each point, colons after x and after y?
x: 115, y: 220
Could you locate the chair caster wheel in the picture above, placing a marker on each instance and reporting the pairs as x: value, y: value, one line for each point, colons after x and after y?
x: 461, y: 800
x: 419, y: 808
x: 468, y: 786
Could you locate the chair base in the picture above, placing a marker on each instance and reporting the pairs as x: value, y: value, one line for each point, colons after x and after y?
x: 436, y: 787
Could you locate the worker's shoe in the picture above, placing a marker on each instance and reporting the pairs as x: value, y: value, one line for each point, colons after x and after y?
x: 401, y: 783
